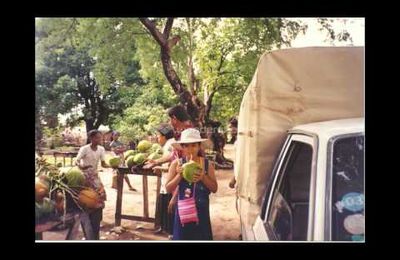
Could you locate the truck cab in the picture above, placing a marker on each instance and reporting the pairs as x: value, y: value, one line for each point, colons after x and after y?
x: 316, y: 192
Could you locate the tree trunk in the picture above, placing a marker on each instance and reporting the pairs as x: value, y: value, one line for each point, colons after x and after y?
x: 94, y: 105
x: 194, y: 106
x: 52, y: 121
x: 89, y: 126
x: 190, y: 102
x: 208, y: 106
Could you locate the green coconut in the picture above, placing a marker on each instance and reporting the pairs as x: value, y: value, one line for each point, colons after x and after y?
x: 75, y: 177
x: 130, y: 161
x: 144, y: 146
x: 154, y: 156
x: 114, y: 162
x: 189, y: 169
x: 139, y: 158
x: 155, y: 148
x: 129, y: 153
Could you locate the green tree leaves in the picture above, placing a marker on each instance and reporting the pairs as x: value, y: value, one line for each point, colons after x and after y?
x: 69, y: 75
x: 112, y: 66
x: 140, y: 120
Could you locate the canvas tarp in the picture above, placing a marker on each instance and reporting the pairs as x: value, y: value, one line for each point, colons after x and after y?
x: 291, y: 87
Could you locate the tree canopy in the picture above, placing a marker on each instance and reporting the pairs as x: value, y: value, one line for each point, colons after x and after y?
x: 66, y: 76
x: 118, y: 69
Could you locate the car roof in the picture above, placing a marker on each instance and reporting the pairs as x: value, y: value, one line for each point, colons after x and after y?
x: 332, y: 128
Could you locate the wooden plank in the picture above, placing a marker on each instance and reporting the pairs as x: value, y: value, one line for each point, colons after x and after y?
x: 145, y: 198
x: 137, y: 218
x: 126, y: 170
x: 120, y: 186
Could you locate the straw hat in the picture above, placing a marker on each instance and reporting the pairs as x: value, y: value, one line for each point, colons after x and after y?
x: 188, y: 136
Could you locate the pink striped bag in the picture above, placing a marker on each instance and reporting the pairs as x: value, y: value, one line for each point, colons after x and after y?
x: 187, y: 210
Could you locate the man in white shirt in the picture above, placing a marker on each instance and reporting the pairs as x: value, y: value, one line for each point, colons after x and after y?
x: 88, y: 160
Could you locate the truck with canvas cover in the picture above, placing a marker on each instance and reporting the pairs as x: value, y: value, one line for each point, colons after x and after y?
x: 292, y: 87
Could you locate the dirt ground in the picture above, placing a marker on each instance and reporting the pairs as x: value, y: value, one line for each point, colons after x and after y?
x: 224, y: 218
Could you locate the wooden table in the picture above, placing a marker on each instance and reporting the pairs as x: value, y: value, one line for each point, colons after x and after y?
x: 64, y: 154
x: 72, y: 221
x: 120, y: 185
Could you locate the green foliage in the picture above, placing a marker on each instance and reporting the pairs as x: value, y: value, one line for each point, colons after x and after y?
x: 140, y: 120
x: 53, y: 137
x: 148, y: 54
x: 158, y: 95
x: 221, y: 110
x: 71, y: 72
x: 228, y: 52
x: 122, y: 59
x: 111, y: 42
x: 332, y: 36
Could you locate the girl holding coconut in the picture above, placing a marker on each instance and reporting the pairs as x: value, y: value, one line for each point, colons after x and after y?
x: 195, y: 178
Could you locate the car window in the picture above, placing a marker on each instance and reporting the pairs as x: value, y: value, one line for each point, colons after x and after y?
x: 288, y: 216
x: 270, y: 183
x: 348, y: 221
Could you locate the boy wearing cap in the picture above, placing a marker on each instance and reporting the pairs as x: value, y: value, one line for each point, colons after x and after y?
x: 165, y: 138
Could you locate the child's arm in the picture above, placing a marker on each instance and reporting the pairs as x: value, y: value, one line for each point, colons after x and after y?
x: 164, y: 159
x: 172, y: 202
x: 209, y: 180
x: 174, y: 176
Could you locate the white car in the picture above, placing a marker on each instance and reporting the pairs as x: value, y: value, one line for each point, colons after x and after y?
x: 317, y: 187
